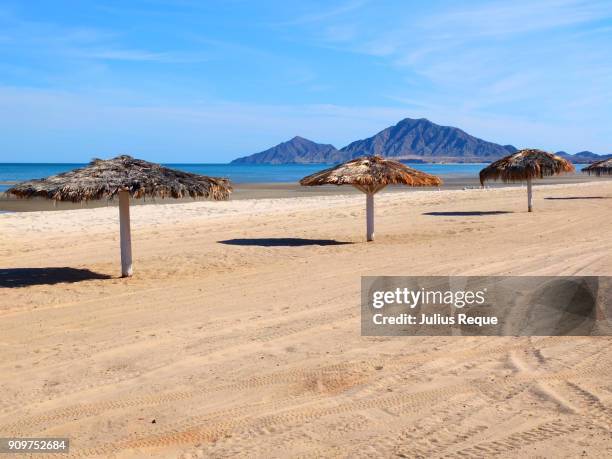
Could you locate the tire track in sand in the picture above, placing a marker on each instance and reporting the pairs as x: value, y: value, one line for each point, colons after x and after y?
x: 591, y: 405
x: 203, y: 429
x: 283, y: 377
x: 517, y: 440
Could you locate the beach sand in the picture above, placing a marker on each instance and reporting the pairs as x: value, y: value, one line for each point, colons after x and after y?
x: 233, y: 341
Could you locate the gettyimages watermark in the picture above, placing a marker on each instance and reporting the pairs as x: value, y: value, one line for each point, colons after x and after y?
x: 486, y: 306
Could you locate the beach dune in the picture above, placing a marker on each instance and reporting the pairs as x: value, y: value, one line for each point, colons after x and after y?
x: 239, y: 336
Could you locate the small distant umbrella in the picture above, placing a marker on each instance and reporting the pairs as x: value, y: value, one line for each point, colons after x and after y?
x: 124, y: 177
x: 524, y: 166
x: 370, y: 174
x: 603, y: 167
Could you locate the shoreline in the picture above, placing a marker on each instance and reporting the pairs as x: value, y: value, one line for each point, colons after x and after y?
x: 283, y: 190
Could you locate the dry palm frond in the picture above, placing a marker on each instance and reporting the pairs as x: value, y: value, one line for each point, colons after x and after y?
x: 524, y: 165
x: 370, y: 174
x: 602, y: 167
x: 103, y: 179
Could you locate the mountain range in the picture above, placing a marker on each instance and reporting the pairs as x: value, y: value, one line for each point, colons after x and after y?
x: 583, y: 156
x: 410, y: 140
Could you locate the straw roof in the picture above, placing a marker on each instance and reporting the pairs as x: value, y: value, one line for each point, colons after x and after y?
x: 525, y: 164
x: 599, y: 167
x: 370, y: 174
x: 103, y: 179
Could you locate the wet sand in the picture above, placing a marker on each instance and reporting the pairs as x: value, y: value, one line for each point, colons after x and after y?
x: 275, y: 190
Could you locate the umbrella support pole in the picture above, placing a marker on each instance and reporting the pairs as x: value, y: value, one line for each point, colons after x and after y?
x: 529, y: 196
x: 126, y: 237
x: 370, y: 216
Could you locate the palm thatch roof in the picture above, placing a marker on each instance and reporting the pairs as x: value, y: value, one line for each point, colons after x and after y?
x: 103, y: 179
x: 370, y: 174
x: 524, y: 165
x: 602, y: 167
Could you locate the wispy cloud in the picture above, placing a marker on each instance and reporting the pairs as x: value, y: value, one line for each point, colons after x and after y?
x: 324, y: 14
x: 39, y: 38
x: 135, y: 55
x: 518, y: 17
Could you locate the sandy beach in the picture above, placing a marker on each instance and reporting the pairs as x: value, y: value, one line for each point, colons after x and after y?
x: 239, y: 334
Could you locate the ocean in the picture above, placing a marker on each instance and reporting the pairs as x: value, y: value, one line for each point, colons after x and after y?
x: 11, y: 173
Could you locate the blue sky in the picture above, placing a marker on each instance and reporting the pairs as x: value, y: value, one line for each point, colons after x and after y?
x: 204, y: 81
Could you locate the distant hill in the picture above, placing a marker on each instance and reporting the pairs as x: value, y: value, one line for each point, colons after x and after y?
x: 582, y: 156
x: 411, y: 140
x: 422, y: 139
x: 297, y: 150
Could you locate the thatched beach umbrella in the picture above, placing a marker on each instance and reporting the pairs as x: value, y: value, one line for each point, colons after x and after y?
x: 370, y: 174
x: 525, y: 165
x: 124, y: 177
x: 603, y: 167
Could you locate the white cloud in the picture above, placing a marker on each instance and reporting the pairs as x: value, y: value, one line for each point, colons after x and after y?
x: 45, y: 38
x: 516, y: 17
x: 324, y: 13
x: 135, y: 55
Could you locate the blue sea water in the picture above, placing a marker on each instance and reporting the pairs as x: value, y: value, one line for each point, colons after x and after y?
x: 11, y: 173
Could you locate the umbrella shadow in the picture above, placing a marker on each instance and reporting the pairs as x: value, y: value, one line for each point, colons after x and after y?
x: 470, y: 213
x: 565, y: 198
x: 24, y: 277
x: 282, y: 242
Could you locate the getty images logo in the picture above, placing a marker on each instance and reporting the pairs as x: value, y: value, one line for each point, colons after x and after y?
x: 412, y: 298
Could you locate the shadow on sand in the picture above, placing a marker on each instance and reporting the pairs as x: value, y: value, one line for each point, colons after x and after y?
x: 565, y: 198
x: 24, y: 277
x: 282, y: 242
x: 471, y: 213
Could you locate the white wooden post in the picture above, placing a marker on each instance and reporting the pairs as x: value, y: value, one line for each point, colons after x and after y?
x: 529, y: 196
x: 126, y: 237
x: 370, y: 216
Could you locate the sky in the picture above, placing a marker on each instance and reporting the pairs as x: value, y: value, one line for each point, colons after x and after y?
x: 208, y: 81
